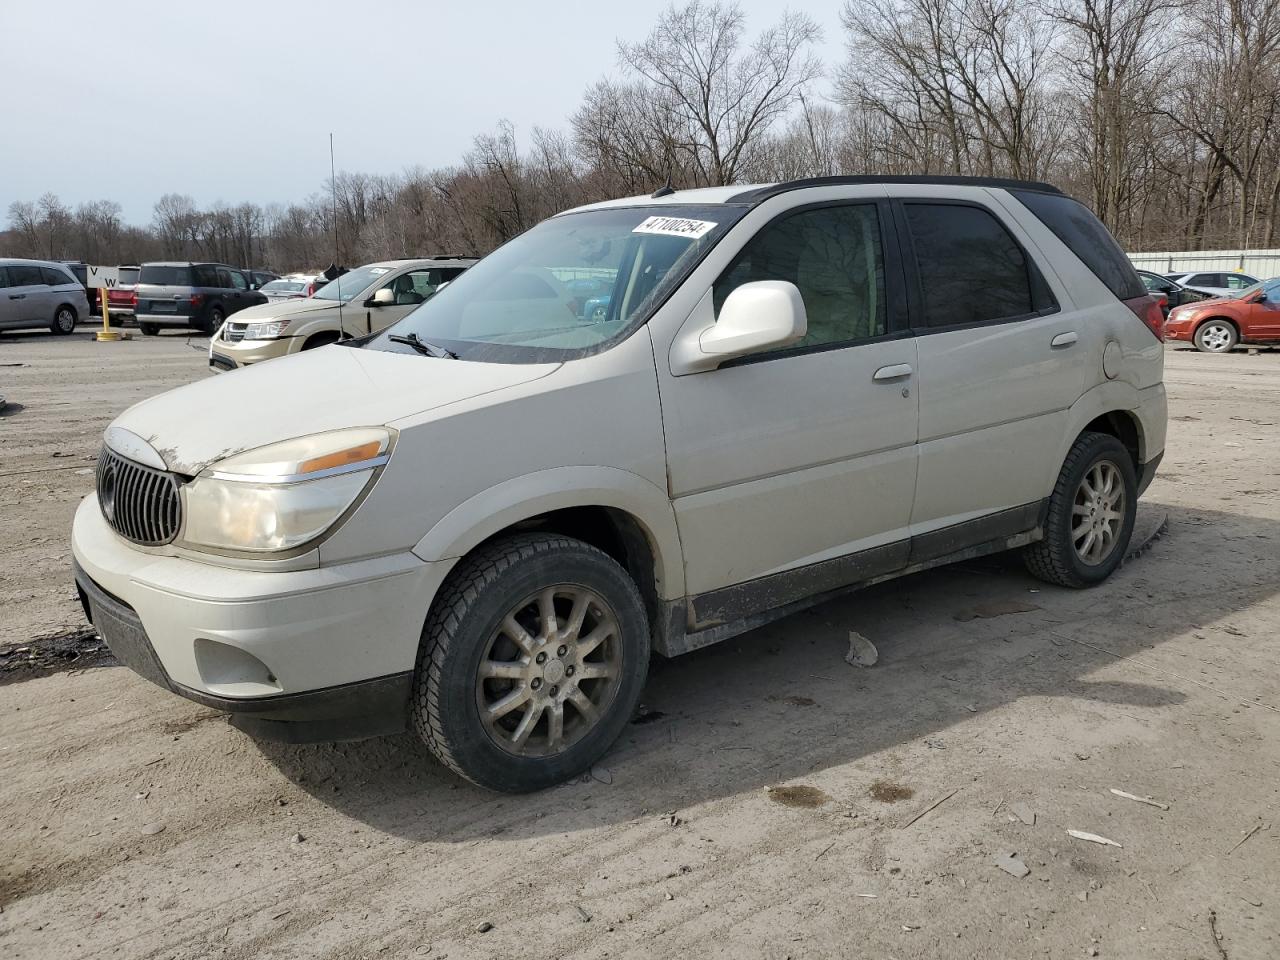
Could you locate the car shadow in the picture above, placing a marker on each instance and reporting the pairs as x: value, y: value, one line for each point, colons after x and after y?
x: 780, y: 703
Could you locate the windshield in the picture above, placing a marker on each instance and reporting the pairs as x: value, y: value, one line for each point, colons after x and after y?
x: 350, y: 284
x: 283, y: 286
x: 1270, y: 287
x: 569, y: 287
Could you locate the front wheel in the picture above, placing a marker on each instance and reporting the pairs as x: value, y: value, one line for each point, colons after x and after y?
x: 1090, y: 517
x: 532, y: 660
x: 1216, y: 336
x: 212, y: 321
x: 148, y: 329
x: 64, y: 320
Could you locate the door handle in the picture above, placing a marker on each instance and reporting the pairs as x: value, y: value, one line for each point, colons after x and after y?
x: 894, y: 371
x: 17, y: 296
x: 1064, y: 339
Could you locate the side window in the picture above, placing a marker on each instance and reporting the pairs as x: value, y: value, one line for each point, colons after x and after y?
x: 1076, y: 226
x: 4, y: 277
x: 1205, y: 280
x: 21, y: 275
x: 1237, y: 281
x: 206, y: 276
x: 833, y: 255
x: 414, y: 287
x: 224, y: 278
x: 971, y: 270
x: 237, y: 279
x: 55, y: 278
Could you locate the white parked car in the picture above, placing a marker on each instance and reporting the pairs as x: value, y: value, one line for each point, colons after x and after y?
x: 482, y: 521
x: 1220, y: 283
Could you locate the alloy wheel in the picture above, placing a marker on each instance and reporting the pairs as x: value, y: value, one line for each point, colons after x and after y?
x: 1097, y: 514
x: 550, y: 671
x: 1216, y: 337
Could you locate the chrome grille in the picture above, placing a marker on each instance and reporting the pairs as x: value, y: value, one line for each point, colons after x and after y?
x: 140, y: 503
x: 233, y: 332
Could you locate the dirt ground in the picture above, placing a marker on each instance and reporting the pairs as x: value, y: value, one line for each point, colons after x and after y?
x: 773, y: 801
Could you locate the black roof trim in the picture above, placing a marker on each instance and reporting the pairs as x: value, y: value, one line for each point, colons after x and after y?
x: 764, y: 193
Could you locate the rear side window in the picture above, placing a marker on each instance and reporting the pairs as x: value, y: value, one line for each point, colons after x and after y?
x: 4, y: 277
x: 1074, y: 224
x: 971, y: 269
x: 833, y: 256
x: 55, y: 278
x: 1238, y: 281
x: 165, y: 276
x: 205, y: 276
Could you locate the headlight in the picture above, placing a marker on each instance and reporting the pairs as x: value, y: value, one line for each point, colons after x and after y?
x: 283, y: 495
x: 265, y: 331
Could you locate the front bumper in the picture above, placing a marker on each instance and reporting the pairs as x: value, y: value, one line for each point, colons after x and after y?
x: 226, y: 355
x: 1179, y: 329
x: 322, y: 653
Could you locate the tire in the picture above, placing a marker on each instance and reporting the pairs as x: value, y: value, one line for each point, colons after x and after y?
x: 148, y: 329
x: 212, y: 321
x: 1216, y: 336
x: 1074, y: 560
x: 64, y: 320
x: 470, y: 624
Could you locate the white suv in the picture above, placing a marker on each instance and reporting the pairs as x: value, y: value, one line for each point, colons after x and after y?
x: 643, y: 426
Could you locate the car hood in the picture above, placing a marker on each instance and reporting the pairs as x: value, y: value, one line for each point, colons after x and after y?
x: 279, y: 309
x: 312, y: 392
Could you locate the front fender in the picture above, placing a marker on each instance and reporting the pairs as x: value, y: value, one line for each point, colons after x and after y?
x: 520, y: 498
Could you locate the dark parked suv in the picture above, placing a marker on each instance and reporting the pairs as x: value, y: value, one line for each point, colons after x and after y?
x: 199, y: 295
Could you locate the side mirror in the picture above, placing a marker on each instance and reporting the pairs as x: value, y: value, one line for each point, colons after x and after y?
x: 761, y: 315
x: 383, y: 298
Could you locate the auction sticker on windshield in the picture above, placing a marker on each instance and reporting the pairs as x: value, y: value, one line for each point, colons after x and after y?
x: 676, y: 227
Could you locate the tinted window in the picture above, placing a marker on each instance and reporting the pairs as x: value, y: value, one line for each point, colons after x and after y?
x: 165, y: 276
x: 971, y: 270
x: 1079, y: 229
x: 56, y: 277
x: 4, y: 277
x: 1204, y: 280
x: 833, y: 256
x: 21, y: 275
x: 128, y: 275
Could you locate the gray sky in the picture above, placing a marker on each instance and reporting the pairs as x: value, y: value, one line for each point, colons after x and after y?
x: 234, y: 101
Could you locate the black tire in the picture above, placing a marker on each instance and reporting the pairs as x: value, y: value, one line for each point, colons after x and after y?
x: 148, y: 329
x: 460, y: 631
x: 1056, y: 559
x: 212, y: 321
x: 1216, y: 335
x: 64, y: 320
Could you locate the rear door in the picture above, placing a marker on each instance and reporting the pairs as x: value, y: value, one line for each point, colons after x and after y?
x: 1000, y: 363
x: 242, y: 297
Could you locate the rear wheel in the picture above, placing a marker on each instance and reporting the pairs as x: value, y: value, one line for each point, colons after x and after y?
x: 148, y: 329
x: 1216, y: 336
x: 532, y: 660
x: 1090, y: 517
x: 64, y: 320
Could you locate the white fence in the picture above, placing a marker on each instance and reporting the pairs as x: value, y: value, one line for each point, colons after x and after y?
x: 1262, y: 264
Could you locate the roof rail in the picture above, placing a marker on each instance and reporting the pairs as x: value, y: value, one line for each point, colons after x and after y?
x: 759, y: 194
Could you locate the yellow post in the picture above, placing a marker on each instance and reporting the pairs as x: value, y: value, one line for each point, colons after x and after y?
x: 106, y: 333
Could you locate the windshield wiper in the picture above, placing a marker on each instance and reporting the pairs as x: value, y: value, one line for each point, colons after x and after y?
x: 424, y: 347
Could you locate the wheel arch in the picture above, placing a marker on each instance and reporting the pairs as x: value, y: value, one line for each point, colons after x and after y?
x: 1235, y: 324
x: 70, y: 306
x: 619, y: 512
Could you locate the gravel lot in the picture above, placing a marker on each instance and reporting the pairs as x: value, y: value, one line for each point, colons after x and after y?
x: 136, y: 824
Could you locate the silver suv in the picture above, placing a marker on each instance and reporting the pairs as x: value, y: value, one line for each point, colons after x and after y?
x: 37, y: 294
x: 642, y: 427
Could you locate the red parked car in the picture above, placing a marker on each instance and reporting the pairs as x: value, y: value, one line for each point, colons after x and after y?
x: 1217, y: 325
x: 121, y: 300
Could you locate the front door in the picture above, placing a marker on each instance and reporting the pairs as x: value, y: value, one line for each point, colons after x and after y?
x: 1262, y: 321
x: 1000, y: 364
x: 799, y: 465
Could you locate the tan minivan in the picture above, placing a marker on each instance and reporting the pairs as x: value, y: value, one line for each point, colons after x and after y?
x: 358, y: 303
